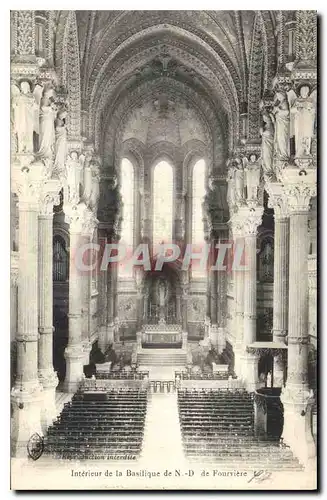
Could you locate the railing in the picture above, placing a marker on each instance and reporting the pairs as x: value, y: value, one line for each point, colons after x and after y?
x: 162, y: 386
x: 122, y: 375
x: 204, y: 376
x: 94, y: 384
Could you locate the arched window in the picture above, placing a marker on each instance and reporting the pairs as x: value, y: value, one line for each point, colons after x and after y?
x: 198, y: 193
x: 60, y: 259
x: 127, y: 195
x: 162, y: 203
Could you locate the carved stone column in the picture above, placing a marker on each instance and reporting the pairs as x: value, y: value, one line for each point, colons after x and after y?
x: 179, y: 229
x: 89, y: 226
x: 238, y: 274
x: 300, y: 186
x: 278, y: 202
x: 252, y: 219
x: 146, y: 219
x: 102, y: 297
x: 27, y: 394
x: 74, y: 353
x: 47, y: 375
x: 221, y: 293
x: 185, y: 297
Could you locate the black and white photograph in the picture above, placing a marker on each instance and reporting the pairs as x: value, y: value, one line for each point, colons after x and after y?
x: 163, y: 249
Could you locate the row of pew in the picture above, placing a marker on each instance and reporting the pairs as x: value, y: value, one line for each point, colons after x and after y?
x: 99, y: 424
x: 218, y: 427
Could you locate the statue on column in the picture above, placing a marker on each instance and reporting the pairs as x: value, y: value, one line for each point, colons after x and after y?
x: 303, y: 114
x: 73, y: 177
x: 23, y: 104
x: 239, y: 180
x: 267, y: 144
x: 252, y: 172
x: 231, y: 199
x: 281, y: 112
x: 61, y: 141
x: 47, y: 128
x: 95, y: 189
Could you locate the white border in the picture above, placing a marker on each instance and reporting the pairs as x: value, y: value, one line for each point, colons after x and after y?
x: 5, y: 180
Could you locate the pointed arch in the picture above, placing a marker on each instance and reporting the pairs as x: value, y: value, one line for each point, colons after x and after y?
x: 68, y: 68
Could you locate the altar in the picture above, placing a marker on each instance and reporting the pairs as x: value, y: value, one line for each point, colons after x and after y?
x: 162, y: 333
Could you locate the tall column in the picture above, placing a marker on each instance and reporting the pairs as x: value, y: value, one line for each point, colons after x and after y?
x: 278, y: 202
x: 47, y: 375
x: 74, y: 353
x: 179, y: 223
x: 87, y: 238
x: 238, y: 274
x: 213, y: 284
x: 221, y: 293
x: 252, y: 219
x: 26, y: 396
x: 102, y: 297
x: 110, y: 306
x: 296, y: 398
x: 184, y: 306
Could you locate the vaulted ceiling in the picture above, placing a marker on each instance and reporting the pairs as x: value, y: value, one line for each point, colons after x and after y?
x: 202, y: 59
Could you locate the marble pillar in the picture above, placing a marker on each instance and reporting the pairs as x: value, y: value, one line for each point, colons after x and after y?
x: 278, y: 202
x: 47, y: 375
x: 27, y: 393
x: 102, y: 300
x: 296, y: 397
x: 252, y: 219
x: 86, y: 279
x: 238, y: 275
x: 74, y: 353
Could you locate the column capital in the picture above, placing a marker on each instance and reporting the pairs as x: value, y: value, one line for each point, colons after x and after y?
x: 277, y: 200
x: 81, y: 219
x: 29, y: 179
x: 48, y: 197
x: 246, y: 220
x: 299, y: 186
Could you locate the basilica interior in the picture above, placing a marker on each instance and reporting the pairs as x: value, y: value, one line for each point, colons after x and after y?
x: 150, y: 127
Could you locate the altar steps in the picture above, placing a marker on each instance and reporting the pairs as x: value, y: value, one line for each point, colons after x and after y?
x: 161, y: 357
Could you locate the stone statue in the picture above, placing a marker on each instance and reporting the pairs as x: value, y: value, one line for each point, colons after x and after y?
x: 282, y: 126
x: 231, y: 187
x: 73, y: 177
x: 267, y: 144
x: 95, y: 189
x: 61, y: 141
x: 239, y: 180
x: 303, y: 114
x: 269, y: 379
x: 47, y: 129
x: 23, y: 104
x: 252, y: 172
x: 162, y: 294
x: 116, y: 325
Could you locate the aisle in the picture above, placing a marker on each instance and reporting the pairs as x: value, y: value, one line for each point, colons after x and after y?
x: 162, y: 444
